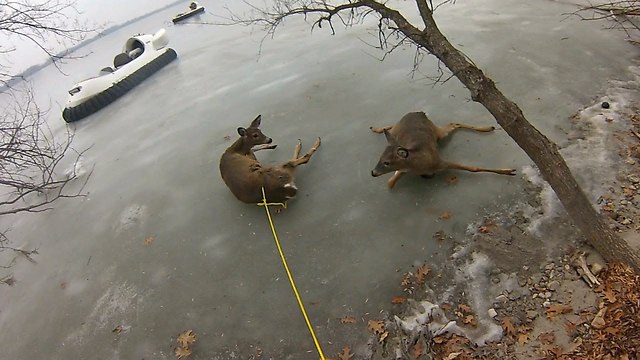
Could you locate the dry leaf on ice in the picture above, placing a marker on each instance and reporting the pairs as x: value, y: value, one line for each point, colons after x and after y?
x: 346, y: 354
x: 421, y: 274
x: 445, y: 216
x: 149, y: 240
x: 182, y: 353
x: 397, y: 300
x: 186, y: 338
x: 348, y: 319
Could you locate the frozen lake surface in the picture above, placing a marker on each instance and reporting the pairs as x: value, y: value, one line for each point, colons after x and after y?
x: 213, y: 266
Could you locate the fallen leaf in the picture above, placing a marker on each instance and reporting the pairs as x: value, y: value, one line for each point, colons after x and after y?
x: 557, y: 309
x: 417, y: 350
x: 149, y: 240
x: 383, y: 336
x: 453, y: 355
x: 464, y: 308
x: 445, y: 216
x: 397, y: 300
x: 508, y: 327
x: 609, y: 294
x: 569, y: 328
x: 422, y: 273
x: 523, y: 338
x: 348, y: 319
x: 182, y: 353
x: 487, y: 228
x: 376, y: 326
x: 346, y: 354
x: 186, y: 338
x: 611, y: 330
x: 547, y: 338
x: 469, y: 320
x: 445, y: 306
x: 118, y: 329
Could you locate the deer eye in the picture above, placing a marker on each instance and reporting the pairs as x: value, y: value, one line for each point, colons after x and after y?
x: 386, y: 163
x: 255, y: 136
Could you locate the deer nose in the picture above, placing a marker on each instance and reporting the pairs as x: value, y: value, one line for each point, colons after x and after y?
x: 374, y: 173
x: 269, y: 140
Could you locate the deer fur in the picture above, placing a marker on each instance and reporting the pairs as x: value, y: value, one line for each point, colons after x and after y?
x: 245, y: 176
x: 413, y: 148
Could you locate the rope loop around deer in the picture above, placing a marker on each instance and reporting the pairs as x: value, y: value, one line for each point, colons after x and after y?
x: 286, y: 267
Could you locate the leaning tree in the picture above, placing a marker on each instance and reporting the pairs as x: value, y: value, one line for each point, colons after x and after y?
x: 31, y: 154
x: 394, y: 28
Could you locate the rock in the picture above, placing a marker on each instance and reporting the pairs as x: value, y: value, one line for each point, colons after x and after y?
x: 605, y: 105
x: 634, y: 179
x: 532, y: 314
x: 549, y: 266
x: 553, y: 285
x: 492, y: 313
x: 546, y: 303
x: 502, y: 299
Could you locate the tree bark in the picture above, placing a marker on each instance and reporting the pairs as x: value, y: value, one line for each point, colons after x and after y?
x: 541, y: 150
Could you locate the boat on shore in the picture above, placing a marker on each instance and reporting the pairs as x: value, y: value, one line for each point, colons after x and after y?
x: 194, y: 9
x: 142, y: 56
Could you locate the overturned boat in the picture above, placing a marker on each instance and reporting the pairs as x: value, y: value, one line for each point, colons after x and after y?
x: 194, y: 9
x: 141, y: 57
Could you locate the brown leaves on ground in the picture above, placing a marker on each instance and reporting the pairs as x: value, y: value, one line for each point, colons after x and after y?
x: 410, y: 281
x: 378, y: 328
x: 507, y: 326
x: 618, y: 333
x: 452, y: 346
x: 445, y: 216
x: 185, y: 340
x: 398, y: 300
x: 465, y: 314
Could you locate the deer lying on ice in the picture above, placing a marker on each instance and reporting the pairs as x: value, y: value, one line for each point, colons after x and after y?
x: 246, y: 177
x: 413, y: 148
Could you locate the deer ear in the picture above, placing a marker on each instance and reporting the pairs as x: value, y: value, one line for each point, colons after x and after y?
x: 256, y: 122
x: 402, y: 152
x: 390, y: 139
x: 242, y: 131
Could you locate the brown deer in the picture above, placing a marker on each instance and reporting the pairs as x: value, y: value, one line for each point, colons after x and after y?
x: 413, y: 148
x: 245, y: 176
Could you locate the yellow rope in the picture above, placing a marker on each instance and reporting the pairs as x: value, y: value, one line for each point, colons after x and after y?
x: 286, y: 267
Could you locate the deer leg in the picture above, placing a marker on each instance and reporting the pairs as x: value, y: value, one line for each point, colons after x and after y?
x: 304, y: 159
x: 452, y: 165
x: 296, y: 150
x: 394, y: 179
x: 264, y: 147
x: 444, y: 131
x: 380, y: 130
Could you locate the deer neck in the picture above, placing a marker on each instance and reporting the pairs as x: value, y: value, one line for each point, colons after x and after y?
x: 240, y: 147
